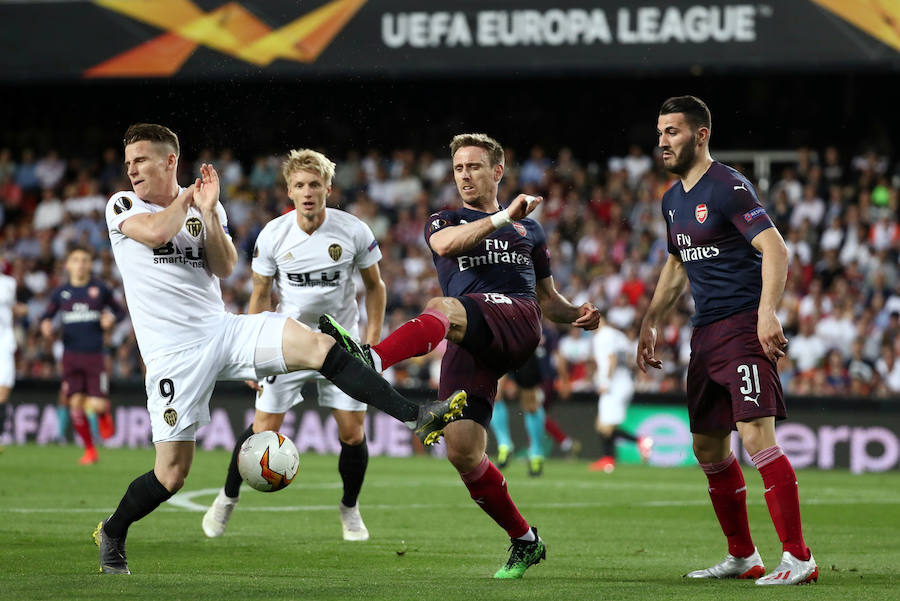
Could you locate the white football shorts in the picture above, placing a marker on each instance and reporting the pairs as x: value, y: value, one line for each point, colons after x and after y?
x: 612, y: 406
x: 277, y: 394
x: 7, y: 369
x: 179, y: 385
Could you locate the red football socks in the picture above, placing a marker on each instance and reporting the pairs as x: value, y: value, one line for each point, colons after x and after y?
x: 728, y: 493
x: 783, y: 499
x: 487, y: 487
x: 554, y: 430
x: 81, y: 425
x: 416, y: 337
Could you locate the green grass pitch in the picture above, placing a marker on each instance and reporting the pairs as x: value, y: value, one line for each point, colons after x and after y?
x: 626, y: 535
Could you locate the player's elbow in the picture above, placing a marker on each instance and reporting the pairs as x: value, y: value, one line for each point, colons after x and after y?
x: 156, y: 237
x: 442, y: 244
x: 776, y: 251
x: 443, y: 250
x: 224, y: 270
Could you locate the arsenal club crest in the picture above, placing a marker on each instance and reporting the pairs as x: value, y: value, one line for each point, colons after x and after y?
x: 520, y: 228
x: 700, y: 213
x: 94, y: 292
x: 335, y: 251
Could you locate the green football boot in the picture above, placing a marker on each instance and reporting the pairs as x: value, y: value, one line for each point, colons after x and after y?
x: 522, y: 556
x: 329, y: 325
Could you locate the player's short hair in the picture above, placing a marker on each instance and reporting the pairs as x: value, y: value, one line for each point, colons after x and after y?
x: 492, y: 146
x: 695, y: 111
x: 79, y: 248
x: 151, y: 132
x: 308, y: 160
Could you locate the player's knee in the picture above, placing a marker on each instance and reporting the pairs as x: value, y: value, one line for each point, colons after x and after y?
x: 439, y: 304
x: 267, y: 421
x: 464, y: 459
x: 707, y: 453
x: 352, y: 437
x: 172, y: 477
x: 450, y: 307
x: 303, y: 348
x: 753, y: 441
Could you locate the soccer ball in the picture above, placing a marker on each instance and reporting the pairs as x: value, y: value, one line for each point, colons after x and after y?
x: 268, y: 461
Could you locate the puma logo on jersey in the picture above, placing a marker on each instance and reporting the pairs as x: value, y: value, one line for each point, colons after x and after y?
x: 672, y: 215
x: 752, y: 399
x: 741, y: 187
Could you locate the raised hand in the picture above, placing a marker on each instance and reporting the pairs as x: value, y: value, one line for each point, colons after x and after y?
x: 206, y: 189
x: 186, y: 198
x: 522, y: 206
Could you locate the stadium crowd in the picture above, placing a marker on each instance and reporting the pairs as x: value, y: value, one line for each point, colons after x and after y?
x: 838, y: 213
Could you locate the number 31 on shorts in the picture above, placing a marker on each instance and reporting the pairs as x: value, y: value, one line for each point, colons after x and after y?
x: 750, y: 382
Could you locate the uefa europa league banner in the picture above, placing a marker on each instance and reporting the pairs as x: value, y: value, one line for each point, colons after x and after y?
x: 861, y: 435
x: 68, y: 39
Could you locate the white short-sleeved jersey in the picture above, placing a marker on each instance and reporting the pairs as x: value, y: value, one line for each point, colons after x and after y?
x: 314, y: 272
x: 610, y: 341
x: 7, y: 302
x: 173, y: 298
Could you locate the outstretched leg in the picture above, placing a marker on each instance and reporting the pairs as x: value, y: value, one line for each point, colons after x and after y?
x: 304, y: 349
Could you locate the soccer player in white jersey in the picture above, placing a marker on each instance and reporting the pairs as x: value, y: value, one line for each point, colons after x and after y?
x: 8, y: 306
x: 615, y: 385
x: 311, y: 254
x: 171, y: 245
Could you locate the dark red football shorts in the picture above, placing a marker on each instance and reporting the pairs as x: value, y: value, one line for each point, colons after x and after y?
x: 501, y: 334
x: 730, y: 378
x: 85, y: 373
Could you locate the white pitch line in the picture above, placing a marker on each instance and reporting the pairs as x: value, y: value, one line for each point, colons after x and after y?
x: 185, y: 503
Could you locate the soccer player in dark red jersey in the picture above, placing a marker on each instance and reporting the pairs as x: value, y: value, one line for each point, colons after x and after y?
x: 722, y: 242
x: 494, y: 270
x: 87, y: 309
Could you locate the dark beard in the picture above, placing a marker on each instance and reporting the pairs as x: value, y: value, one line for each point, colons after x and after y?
x: 685, y: 160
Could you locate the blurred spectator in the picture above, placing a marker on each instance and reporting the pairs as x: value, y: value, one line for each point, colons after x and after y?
x: 7, y: 165
x: 806, y: 349
x: 26, y: 176
x: 810, y: 209
x: 604, y: 230
x: 231, y: 172
x: 832, y: 170
x: 861, y: 371
x: 49, y: 212
x: 790, y: 185
x: 636, y: 164
x: 837, y: 378
x: 265, y: 173
x: 49, y: 170
x: 534, y: 170
x: 888, y: 369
